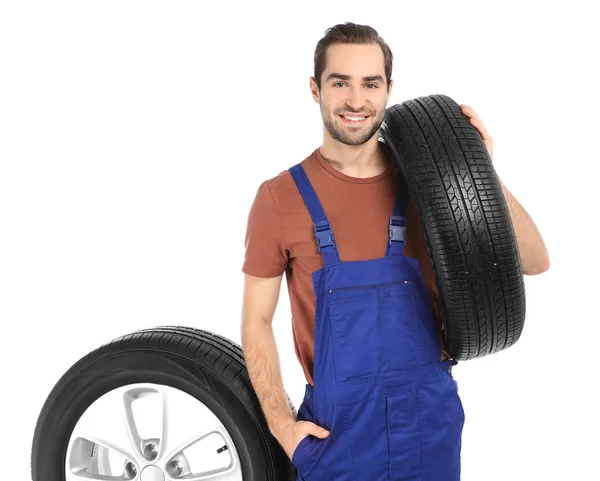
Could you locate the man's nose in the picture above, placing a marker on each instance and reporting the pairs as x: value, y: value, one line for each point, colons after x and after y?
x: 356, y: 99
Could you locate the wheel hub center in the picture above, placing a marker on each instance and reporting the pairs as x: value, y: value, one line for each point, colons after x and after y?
x: 152, y: 473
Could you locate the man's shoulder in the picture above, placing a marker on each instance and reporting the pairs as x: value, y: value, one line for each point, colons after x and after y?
x: 282, y: 184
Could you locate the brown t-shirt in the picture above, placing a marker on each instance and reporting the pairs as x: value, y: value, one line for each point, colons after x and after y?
x: 280, y: 237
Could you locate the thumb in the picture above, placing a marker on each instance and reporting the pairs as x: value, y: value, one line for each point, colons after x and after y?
x: 317, y: 430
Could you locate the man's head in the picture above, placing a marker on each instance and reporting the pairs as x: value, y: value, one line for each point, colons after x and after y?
x: 352, y: 75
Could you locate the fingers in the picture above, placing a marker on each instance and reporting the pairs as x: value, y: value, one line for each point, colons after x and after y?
x: 318, y: 431
x: 475, y: 121
x: 307, y: 427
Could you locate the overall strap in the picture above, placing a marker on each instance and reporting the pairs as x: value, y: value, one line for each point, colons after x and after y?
x: 322, y: 227
x: 397, y: 226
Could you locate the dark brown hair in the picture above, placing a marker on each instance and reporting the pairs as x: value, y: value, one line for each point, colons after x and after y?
x: 351, y: 33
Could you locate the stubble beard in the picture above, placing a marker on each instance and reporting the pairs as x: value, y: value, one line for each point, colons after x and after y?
x: 338, y: 131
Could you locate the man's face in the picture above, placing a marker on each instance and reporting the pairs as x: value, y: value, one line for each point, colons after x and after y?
x: 353, y: 84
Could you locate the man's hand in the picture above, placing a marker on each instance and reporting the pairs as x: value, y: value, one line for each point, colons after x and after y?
x: 533, y: 251
x: 478, y: 124
x: 297, y: 431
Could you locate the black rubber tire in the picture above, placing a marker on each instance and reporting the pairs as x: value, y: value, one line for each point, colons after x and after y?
x: 208, y: 366
x: 466, y: 222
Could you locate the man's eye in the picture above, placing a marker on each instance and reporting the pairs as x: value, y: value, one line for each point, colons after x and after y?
x: 342, y: 83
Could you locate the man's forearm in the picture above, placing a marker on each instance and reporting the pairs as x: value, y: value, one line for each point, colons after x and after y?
x: 262, y: 360
x: 532, y: 249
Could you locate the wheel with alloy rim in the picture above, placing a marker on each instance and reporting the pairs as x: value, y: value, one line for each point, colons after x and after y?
x: 160, y: 404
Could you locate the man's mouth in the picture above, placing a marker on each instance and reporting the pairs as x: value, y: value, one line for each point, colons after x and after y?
x: 354, y: 119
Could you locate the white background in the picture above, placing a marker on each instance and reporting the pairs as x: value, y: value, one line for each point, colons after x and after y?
x: 133, y: 137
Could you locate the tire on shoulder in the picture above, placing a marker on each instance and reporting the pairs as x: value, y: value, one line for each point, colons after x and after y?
x: 466, y: 223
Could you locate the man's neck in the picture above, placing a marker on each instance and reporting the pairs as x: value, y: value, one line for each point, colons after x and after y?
x: 367, y: 160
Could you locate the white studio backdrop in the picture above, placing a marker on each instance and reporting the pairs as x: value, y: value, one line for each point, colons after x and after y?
x: 133, y: 138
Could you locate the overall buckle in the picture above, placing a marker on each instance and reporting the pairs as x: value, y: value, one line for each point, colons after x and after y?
x: 397, y: 229
x: 324, y: 234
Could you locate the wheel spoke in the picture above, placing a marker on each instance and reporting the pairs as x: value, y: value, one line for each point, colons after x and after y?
x: 100, y: 445
x: 232, y: 474
x: 206, y: 459
x: 185, y: 420
x: 91, y: 461
x: 195, y: 444
x: 149, y: 402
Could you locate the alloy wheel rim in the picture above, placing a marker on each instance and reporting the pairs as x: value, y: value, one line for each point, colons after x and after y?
x: 150, y: 432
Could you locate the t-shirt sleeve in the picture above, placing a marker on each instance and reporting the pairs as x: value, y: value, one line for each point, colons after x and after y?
x: 266, y: 254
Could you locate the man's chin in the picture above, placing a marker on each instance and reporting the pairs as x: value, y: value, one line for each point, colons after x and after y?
x: 356, y: 136
x: 354, y: 140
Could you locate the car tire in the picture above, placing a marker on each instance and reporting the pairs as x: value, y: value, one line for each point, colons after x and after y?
x: 197, y: 367
x: 465, y: 221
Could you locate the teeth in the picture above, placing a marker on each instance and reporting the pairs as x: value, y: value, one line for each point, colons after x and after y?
x: 353, y: 118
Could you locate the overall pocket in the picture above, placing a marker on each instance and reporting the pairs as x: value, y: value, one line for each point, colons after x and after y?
x: 404, y: 436
x: 458, y: 403
x: 305, y: 413
x: 374, y: 329
x: 297, y: 455
x: 326, y: 459
x: 443, y: 418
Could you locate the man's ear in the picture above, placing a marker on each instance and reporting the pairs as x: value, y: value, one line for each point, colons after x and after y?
x: 389, y: 93
x: 314, y: 89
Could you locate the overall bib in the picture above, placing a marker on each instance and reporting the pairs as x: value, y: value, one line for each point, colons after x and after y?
x: 391, y: 406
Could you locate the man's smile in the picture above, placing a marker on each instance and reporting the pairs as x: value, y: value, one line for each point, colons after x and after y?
x: 354, y: 119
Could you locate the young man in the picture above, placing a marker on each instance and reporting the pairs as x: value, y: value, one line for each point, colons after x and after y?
x: 380, y: 402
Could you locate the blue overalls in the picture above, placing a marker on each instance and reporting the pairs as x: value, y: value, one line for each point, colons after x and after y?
x: 391, y: 406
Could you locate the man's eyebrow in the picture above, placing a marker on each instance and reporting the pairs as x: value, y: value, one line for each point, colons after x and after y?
x: 340, y: 76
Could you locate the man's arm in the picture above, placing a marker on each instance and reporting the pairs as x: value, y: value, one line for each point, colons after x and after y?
x: 531, y: 246
x: 261, y: 355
